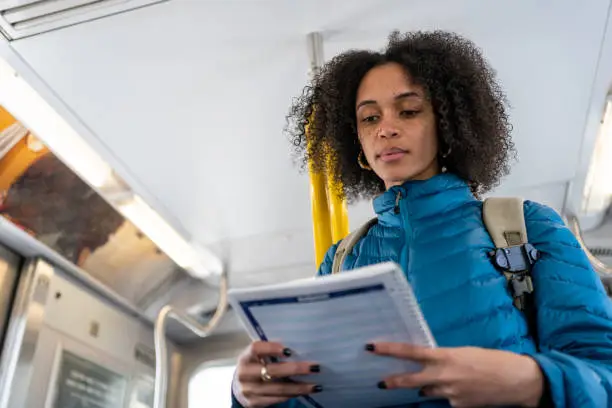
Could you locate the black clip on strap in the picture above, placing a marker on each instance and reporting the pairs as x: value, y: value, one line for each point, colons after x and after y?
x: 516, y: 262
x: 515, y: 259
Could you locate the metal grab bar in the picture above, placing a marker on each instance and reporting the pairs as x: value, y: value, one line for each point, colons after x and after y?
x: 161, y: 347
x: 600, y: 267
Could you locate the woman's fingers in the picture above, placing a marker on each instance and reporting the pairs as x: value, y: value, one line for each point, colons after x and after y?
x: 262, y: 349
x: 443, y: 391
x: 432, y: 375
x: 252, y: 371
x: 259, y: 393
x: 407, y: 351
x: 416, y: 380
x: 406, y: 381
x: 278, y: 389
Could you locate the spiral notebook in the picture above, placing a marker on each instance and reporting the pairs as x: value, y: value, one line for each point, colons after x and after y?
x: 329, y: 320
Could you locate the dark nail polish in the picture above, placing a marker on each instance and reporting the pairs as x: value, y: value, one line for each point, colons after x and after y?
x: 287, y: 352
x: 317, y: 388
x: 315, y: 368
x: 369, y: 347
x: 382, y: 385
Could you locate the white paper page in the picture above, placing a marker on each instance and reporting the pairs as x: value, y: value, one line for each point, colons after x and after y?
x: 330, y: 320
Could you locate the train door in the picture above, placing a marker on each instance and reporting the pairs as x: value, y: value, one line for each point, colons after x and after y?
x: 9, y: 269
x: 66, y: 347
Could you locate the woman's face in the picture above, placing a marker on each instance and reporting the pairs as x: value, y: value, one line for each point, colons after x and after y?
x: 396, y: 126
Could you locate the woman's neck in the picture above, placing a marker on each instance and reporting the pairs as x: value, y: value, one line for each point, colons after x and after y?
x: 424, y: 175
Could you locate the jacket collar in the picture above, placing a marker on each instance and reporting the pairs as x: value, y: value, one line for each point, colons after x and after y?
x: 424, y: 198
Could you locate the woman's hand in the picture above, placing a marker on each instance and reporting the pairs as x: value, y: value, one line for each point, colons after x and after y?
x: 254, y: 392
x: 468, y: 376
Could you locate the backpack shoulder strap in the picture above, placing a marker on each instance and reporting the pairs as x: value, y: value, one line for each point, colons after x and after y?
x: 346, y: 245
x: 505, y: 221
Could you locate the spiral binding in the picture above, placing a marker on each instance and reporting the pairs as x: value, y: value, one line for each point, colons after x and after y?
x: 405, y: 294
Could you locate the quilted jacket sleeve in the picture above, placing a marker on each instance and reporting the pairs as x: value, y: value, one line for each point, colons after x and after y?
x: 326, y: 265
x: 574, y: 315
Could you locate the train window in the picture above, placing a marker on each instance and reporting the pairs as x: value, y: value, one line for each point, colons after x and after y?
x: 598, y: 189
x: 83, y: 383
x: 211, y: 385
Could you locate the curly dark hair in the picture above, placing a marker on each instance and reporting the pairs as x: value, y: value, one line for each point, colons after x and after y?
x: 468, y: 104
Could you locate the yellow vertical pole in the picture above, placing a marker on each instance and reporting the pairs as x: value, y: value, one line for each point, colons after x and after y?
x: 321, y: 223
x: 338, y: 210
x: 320, y: 214
x: 329, y: 211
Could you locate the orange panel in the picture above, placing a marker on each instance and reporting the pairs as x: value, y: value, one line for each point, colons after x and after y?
x: 18, y: 159
x: 16, y: 162
x: 6, y: 119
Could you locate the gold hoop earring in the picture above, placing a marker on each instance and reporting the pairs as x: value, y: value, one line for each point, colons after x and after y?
x: 362, y: 161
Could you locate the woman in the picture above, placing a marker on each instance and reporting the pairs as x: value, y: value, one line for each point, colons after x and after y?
x: 422, y: 127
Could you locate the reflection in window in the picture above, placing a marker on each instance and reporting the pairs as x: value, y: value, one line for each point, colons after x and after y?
x: 49, y: 201
x: 82, y: 383
x: 598, y: 191
x: 55, y: 205
x: 211, y: 386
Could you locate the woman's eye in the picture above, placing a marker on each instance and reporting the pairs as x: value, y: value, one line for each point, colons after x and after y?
x: 370, y: 118
x: 408, y: 113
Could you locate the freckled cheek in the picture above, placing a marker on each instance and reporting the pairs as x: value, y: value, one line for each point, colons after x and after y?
x: 367, y: 139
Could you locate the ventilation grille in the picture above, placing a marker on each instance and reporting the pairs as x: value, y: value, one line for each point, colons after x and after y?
x: 24, y: 18
x: 601, y: 251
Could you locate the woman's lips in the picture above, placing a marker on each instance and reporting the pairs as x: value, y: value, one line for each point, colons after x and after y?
x: 388, y: 157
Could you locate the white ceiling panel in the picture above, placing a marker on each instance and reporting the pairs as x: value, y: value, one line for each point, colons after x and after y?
x: 23, y: 18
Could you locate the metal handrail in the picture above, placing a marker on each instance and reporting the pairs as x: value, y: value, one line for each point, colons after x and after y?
x: 161, y: 347
x: 600, y: 267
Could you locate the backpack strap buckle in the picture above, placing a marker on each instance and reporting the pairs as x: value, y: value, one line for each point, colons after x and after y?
x: 521, y: 286
x: 516, y: 263
x: 515, y: 259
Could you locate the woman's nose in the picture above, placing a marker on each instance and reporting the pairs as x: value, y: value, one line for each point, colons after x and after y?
x: 388, y: 129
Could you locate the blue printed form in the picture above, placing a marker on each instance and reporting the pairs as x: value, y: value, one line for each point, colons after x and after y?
x: 329, y: 320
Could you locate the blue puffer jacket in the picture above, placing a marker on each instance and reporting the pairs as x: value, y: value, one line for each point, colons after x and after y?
x: 436, y: 233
